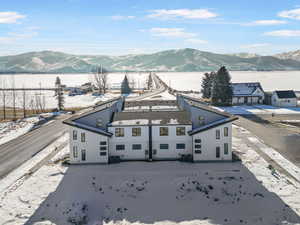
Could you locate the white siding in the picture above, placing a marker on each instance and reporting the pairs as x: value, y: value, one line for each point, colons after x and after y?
x: 172, y: 139
x: 283, y: 102
x: 209, y: 144
x: 91, y: 146
x: 128, y: 140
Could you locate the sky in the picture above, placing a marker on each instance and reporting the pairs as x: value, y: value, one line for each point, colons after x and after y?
x: 120, y: 27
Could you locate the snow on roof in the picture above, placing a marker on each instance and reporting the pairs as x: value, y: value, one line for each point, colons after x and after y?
x: 286, y: 94
x: 153, y: 117
x: 242, y: 89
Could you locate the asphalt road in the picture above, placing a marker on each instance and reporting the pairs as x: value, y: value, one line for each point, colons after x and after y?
x: 286, y: 141
x: 19, y: 150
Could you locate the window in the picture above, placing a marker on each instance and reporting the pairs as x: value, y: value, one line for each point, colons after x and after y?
x: 164, y: 146
x: 102, y: 142
x: 180, y: 146
x: 136, y: 147
x: 163, y: 131
x: 197, y: 140
x: 197, y: 146
x: 120, y: 147
x: 136, y: 131
x: 180, y: 131
x: 99, y: 122
x: 102, y: 148
x: 225, y: 148
x: 226, y: 131
x: 218, y: 134
x: 102, y: 153
x: 119, y: 132
x: 217, y: 152
x: 198, y: 151
x: 82, y: 137
x: 75, y: 151
x: 83, y: 155
x: 74, y: 134
x: 201, y: 120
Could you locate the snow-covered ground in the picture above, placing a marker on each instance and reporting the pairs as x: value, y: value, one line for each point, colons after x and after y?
x: 162, y: 96
x: 270, y: 81
x: 12, y: 130
x: 157, y: 193
x: 259, y: 109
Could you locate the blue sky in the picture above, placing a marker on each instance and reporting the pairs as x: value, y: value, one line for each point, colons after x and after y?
x: 118, y: 27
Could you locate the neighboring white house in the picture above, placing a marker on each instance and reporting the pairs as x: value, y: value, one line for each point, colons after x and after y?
x: 247, y: 93
x: 188, y: 129
x: 286, y: 98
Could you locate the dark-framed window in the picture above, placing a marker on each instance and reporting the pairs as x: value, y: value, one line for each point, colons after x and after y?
x: 136, y: 147
x: 197, y: 141
x: 201, y: 120
x: 163, y: 131
x: 198, y: 146
x: 103, y: 143
x: 119, y: 132
x: 180, y: 131
x: 74, y: 134
x: 218, y: 134
x: 99, y: 122
x: 164, y: 146
x: 218, y: 152
x: 198, y: 151
x: 103, y: 148
x: 180, y: 146
x: 82, y: 137
x: 225, y: 131
x: 120, y: 147
x: 136, y: 131
x: 83, y: 154
x: 75, y: 151
x: 102, y: 153
x: 226, y: 149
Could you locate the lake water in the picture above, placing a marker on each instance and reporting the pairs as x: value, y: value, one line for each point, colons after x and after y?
x: 278, y: 80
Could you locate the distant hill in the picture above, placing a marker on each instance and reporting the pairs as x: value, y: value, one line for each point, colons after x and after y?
x: 245, y: 55
x: 182, y: 60
x: 295, y: 55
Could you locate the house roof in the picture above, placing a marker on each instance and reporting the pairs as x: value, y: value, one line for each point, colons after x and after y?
x: 212, y: 125
x: 286, y: 94
x: 245, y: 89
x: 151, y: 117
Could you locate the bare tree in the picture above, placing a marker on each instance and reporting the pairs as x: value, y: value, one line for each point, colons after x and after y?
x: 100, y: 80
x: 13, y: 96
x: 4, y: 96
x: 24, y: 102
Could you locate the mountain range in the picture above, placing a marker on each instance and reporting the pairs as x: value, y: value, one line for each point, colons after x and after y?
x: 182, y: 60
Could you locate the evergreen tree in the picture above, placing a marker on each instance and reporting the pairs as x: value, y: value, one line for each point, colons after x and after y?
x: 221, y: 89
x: 207, y: 82
x: 57, y: 85
x: 59, y: 94
x: 125, y: 89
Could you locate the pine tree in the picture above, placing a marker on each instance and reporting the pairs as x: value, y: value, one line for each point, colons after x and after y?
x: 221, y: 90
x: 57, y: 84
x: 207, y: 82
x: 59, y: 94
x: 125, y: 89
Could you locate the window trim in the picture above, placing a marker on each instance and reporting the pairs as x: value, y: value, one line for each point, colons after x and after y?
x: 160, y: 146
x: 198, y: 146
x: 123, y: 149
x: 163, y: 128
x: 226, y: 149
x: 198, y: 141
x: 83, y: 153
x: 183, y: 144
x: 218, y: 134
x: 136, y: 134
x: 75, y: 151
x: 218, y: 152
x: 226, y: 131
x: 82, y: 137
x: 136, y: 149
x: 121, y: 130
x: 180, y: 133
x: 75, y: 135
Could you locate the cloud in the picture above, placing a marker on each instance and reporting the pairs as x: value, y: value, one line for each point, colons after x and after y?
x: 10, y: 17
x: 291, y: 14
x: 265, y: 23
x: 12, y: 37
x: 256, y: 45
x: 171, y: 32
x: 118, y: 17
x: 283, y: 33
x: 196, y: 41
x: 182, y: 13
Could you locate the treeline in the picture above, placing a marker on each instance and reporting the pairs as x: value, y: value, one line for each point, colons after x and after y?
x: 216, y: 86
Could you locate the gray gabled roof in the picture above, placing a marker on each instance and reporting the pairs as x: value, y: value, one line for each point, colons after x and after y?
x: 245, y: 89
x: 286, y: 94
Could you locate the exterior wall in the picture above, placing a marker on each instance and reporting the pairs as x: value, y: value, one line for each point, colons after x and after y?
x: 91, y: 146
x: 128, y: 140
x: 259, y: 92
x: 172, y: 139
x: 283, y: 102
x: 209, y: 144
